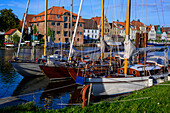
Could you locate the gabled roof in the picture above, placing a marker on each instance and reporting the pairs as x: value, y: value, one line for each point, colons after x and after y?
x: 28, y: 19
x: 10, y: 31
x: 137, y: 24
x: 148, y: 28
x: 97, y: 19
x: 90, y: 24
x: 52, y: 15
x: 120, y: 23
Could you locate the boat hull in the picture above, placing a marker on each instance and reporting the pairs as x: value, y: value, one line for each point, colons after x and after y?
x: 114, y: 86
x: 55, y: 72
x: 27, y: 69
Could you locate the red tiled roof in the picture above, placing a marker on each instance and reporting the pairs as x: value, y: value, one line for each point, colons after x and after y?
x: 148, y: 28
x: 121, y: 23
x: 97, y: 19
x: 137, y: 24
x: 21, y: 23
x: 28, y: 19
x: 51, y: 15
x: 10, y: 31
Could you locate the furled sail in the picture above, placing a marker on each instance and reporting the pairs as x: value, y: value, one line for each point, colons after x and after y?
x: 129, y: 48
x: 76, y: 52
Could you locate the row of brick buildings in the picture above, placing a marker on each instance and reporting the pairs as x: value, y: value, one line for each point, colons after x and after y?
x: 58, y: 19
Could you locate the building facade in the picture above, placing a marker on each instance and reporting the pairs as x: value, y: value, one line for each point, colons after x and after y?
x: 107, y: 26
x: 91, y: 30
x: 58, y: 19
x: 9, y: 34
x: 152, y: 33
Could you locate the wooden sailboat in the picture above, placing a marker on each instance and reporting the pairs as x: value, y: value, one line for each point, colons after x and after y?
x: 30, y: 68
x: 127, y: 81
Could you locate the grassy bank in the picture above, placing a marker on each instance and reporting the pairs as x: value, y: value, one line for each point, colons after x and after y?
x: 154, y: 99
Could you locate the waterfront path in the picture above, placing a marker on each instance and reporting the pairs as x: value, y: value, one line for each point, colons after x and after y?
x: 10, y: 101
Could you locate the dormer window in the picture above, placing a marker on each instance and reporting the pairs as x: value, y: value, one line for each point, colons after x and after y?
x: 58, y: 16
x: 34, y: 18
x: 39, y: 17
x: 65, y: 18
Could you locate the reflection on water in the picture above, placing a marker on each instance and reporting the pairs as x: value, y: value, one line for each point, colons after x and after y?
x: 54, y: 95
x: 40, y: 89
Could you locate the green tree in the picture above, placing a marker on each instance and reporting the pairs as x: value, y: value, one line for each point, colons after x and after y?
x: 16, y: 38
x: 35, y: 29
x: 8, y: 20
x: 51, y: 33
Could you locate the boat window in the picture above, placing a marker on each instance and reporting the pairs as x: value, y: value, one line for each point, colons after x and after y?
x: 56, y: 52
x: 134, y: 72
x: 160, y: 61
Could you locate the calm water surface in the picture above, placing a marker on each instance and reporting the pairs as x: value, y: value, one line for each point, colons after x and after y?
x: 39, y: 90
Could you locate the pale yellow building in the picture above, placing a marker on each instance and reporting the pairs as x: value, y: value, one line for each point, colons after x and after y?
x: 9, y: 34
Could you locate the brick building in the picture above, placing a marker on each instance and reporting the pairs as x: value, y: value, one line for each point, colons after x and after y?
x: 58, y: 19
x: 107, y: 26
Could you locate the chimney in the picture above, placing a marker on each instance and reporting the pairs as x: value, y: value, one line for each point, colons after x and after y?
x: 63, y: 7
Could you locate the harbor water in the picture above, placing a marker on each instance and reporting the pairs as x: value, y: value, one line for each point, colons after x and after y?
x: 43, y: 92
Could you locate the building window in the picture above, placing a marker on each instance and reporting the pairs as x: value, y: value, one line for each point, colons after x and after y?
x: 58, y: 32
x: 80, y: 33
x: 58, y: 16
x: 92, y: 31
x: 34, y: 18
x: 37, y: 24
x: 65, y: 33
x: 88, y: 31
x: 80, y: 24
x: 58, y: 24
x: 69, y: 33
x: 72, y: 24
x: 66, y: 40
x: 75, y: 18
x: 58, y: 39
x: 69, y: 19
x: 65, y: 18
x: 65, y: 25
x: 52, y: 23
x: 37, y: 32
x: 84, y: 31
x: 39, y: 17
x: 77, y: 39
x: 96, y: 31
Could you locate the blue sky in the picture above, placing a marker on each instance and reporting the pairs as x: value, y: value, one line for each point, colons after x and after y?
x: 148, y: 13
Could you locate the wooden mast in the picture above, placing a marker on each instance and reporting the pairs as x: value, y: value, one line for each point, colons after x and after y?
x: 102, y: 27
x: 45, y: 34
x: 71, y: 20
x: 127, y: 32
x: 62, y: 36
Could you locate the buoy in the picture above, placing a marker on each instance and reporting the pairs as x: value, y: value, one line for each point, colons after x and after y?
x: 83, y: 92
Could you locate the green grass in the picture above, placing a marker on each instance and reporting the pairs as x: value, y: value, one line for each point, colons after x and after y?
x: 157, y: 101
